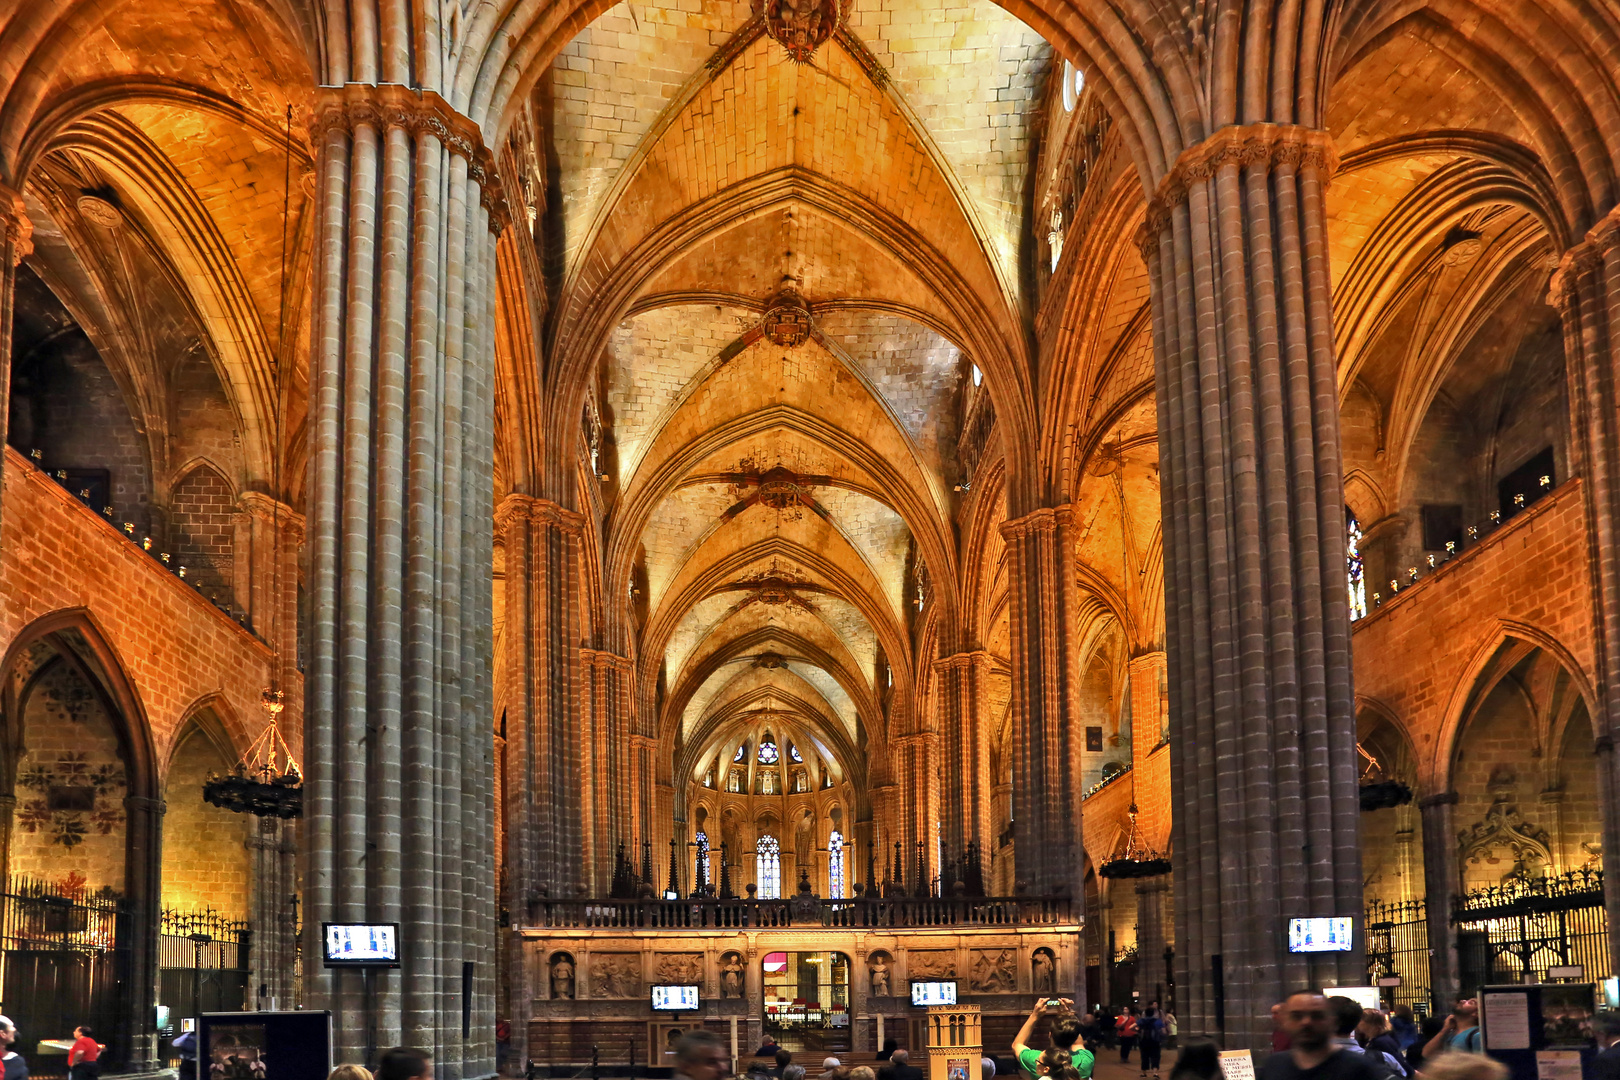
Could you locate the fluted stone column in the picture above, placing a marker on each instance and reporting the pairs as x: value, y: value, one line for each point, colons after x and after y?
x: 1440, y: 881
x: 1150, y: 940
x: 136, y: 1041
x: 1265, y: 819
x: 1586, y: 291
x: 272, y: 852
x: 965, y: 729
x: 544, y: 810
x: 543, y: 786
x: 1146, y: 672
x: 611, y: 818
x: 16, y: 244
x: 398, y: 731
x: 268, y: 538
x: 915, y: 757
x: 1045, y: 681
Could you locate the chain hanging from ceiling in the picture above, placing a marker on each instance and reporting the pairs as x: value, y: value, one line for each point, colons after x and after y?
x: 267, y: 782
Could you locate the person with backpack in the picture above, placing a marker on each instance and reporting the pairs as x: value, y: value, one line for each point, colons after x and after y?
x: 1150, y: 1033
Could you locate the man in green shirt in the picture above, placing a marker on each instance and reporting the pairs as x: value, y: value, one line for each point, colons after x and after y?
x: 1065, y: 1034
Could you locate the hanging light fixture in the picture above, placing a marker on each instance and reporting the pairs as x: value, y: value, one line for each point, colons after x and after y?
x: 1137, y: 860
x: 267, y: 782
x: 1378, y: 790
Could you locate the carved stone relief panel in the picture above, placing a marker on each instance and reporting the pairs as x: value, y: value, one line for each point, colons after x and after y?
x: 931, y: 964
x: 616, y: 975
x: 678, y: 968
x: 992, y: 971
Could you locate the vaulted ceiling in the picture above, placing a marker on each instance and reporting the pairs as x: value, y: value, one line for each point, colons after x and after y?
x: 777, y: 507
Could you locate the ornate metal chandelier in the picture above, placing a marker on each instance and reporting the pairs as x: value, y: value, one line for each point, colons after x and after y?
x: 1137, y: 860
x: 267, y: 781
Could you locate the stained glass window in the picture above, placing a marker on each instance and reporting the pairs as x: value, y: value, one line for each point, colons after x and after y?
x: 735, y: 783
x: 768, y: 868
x: 793, y: 752
x: 742, y: 752
x: 768, y: 784
x: 835, y: 865
x: 702, y: 857
x: 1355, y: 570
x: 767, y: 751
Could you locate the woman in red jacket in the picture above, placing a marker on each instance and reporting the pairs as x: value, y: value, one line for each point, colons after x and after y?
x: 82, y: 1055
x: 1126, y: 1029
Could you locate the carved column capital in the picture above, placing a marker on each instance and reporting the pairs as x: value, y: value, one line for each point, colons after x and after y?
x: 16, y: 227
x: 606, y: 661
x: 516, y: 507
x: 420, y: 112
x: 274, y: 513
x: 1244, y: 145
x: 1601, y: 240
x: 962, y: 660
x: 1048, y: 519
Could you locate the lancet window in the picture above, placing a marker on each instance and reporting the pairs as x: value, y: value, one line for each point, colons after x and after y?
x: 769, y: 868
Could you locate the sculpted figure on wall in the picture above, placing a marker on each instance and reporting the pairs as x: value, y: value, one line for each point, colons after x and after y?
x: 562, y: 976
x: 1045, y: 972
x: 731, y: 976
x: 804, y: 835
x: 878, y: 974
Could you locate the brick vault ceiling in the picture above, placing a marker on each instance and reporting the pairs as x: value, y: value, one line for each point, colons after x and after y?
x: 926, y: 121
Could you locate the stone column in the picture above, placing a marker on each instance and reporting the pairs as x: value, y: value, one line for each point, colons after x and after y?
x: 16, y: 244
x: 915, y: 759
x: 611, y: 810
x: 1440, y: 882
x: 545, y: 811
x: 143, y: 816
x: 1045, y: 680
x: 398, y: 732
x: 1586, y: 291
x: 964, y: 725
x: 544, y: 782
x: 272, y: 852
x: 1146, y: 673
x: 8, y: 811
x: 1265, y: 817
x: 1150, y: 903
x: 265, y: 569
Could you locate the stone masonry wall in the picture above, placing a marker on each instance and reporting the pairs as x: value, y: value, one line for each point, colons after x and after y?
x: 177, y: 650
x: 1416, y: 655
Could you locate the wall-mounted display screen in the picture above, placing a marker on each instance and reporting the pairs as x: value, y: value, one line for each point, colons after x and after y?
x: 1320, y: 935
x: 933, y: 993
x: 360, y: 944
x: 675, y: 998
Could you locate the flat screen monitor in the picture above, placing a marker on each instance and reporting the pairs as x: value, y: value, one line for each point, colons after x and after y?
x: 360, y: 944
x: 674, y: 998
x: 1320, y: 935
x: 933, y: 993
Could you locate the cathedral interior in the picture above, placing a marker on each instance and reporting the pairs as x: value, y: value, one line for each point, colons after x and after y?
x: 798, y: 499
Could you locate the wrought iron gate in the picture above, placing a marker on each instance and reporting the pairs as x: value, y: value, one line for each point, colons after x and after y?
x: 1398, y: 944
x: 218, y: 967
x: 61, y: 965
x: 1508, y: 932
